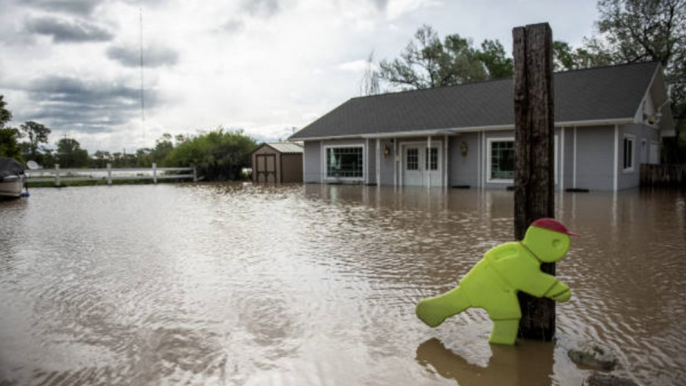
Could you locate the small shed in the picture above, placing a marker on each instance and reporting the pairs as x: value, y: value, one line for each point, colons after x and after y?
x: 278, y: 162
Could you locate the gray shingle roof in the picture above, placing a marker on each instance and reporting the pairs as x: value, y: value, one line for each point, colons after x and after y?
x: 601, y: 93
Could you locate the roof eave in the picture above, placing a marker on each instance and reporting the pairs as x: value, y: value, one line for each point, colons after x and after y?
x: 458, y: 130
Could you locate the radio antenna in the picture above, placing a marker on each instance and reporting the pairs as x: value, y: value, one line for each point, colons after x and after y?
x: 142, y: 82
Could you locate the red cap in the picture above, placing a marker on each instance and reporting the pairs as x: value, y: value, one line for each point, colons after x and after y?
x: 553, y: 225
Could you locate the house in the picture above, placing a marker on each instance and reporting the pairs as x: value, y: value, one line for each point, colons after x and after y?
x: 278, y: 162
x: 608, y: 121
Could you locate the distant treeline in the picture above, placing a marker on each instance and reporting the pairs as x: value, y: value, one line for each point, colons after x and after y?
x: 219, y: 155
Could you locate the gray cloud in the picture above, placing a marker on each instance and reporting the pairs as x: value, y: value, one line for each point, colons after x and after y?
x: 77, y: 7
x: 64, y: 31
x: 264, y: 8
x: 153, y: 56
x: 66, y: 103
x: 380, y: 4
x: 232, y: 26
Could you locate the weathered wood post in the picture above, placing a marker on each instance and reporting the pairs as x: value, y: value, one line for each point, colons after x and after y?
x: 109, y: 173
x: 195, y: 173
x: 534, y: 177
x: 154, y: 173
x: 57, y: 174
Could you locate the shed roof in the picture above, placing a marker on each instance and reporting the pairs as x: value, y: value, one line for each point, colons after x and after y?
x: 284, y: 147
x: 594, y: 94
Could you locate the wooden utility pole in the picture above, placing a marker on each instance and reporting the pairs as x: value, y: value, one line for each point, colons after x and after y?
x: 534, y: 176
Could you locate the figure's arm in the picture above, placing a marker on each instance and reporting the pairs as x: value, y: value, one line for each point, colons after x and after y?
x: 559, y: 292
x: 524, y: 273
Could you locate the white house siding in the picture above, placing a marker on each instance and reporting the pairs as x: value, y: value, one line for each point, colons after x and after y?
x: 312, y: 162
x: 463, y: 170
x: 639, y: 132
x: 386, y: 163
x: 370, y: 161
x: 591, y: 156
x: 595, y: 157
x: 566, y: 157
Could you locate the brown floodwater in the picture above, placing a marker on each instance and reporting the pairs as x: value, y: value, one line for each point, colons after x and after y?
x: 235, y: 284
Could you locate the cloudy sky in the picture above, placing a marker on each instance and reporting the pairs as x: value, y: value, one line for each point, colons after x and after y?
x: 265, y: 66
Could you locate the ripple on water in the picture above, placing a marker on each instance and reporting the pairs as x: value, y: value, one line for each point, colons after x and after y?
x: 248, y: 284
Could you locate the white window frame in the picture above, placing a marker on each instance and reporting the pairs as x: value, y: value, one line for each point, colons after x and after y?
x: 632, y: 139
x: 504, y: 181
x: 489, y: 150
x: 325, y: 167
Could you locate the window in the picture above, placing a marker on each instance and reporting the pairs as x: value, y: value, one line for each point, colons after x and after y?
x: 344, y: 162
x: 501, y: 165
x: 628, y: 153
x: 412, y: 158
x: 432, y: 158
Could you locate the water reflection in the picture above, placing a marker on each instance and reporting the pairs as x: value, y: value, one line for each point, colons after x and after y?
x: 249, y: 284
x: 529, y: 364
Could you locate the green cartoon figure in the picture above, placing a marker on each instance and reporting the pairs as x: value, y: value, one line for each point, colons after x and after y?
x: 492, y: 284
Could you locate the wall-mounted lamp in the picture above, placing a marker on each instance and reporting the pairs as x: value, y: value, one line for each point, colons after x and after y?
x: 464, y: 148
x: 386, y: 151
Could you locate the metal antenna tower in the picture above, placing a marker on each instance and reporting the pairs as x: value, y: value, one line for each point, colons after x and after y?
x: 142, y: 82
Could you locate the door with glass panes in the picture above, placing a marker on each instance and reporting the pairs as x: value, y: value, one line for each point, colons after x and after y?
x: 422, y: 164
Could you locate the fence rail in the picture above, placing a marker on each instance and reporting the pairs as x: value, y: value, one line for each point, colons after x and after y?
x: 110, y: 174
x: 663, y: 175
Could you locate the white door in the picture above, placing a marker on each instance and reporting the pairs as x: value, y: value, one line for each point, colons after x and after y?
x: 422, y: 165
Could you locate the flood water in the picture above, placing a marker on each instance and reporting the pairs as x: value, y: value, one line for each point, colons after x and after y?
x: 235, y: 284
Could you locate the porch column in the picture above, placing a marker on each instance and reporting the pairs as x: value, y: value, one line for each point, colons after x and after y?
x: 562, y: 160
x: 445, y: 161
x: 365, y: 162
x: 427, y: 159
x: 615, y: 176
x: 574, y: 162
x: 378, y: 162
x: 395, y: 162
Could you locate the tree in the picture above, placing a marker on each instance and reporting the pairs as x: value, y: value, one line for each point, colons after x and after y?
x: 427, y: 62
x: 5, y: 115
x: 9, y: 144
x: 567, y: 58
x: 370, y: 79
x: 163, y: 147
x: 493, y: 57
x: 654, y: 30
x: 37, y: 134
x: 100, y: 159
x: 143, y: 159
x: 70, y: 154
x: 219, y: 155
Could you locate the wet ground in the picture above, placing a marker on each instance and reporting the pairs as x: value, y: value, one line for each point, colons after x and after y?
x: 316, y: 285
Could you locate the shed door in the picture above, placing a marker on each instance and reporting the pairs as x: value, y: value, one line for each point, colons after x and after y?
x: 266, y: 167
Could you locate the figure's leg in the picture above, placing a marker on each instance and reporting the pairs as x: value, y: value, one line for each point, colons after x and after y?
x: 505, y: 314
x: 433, y: 311
x: 504, y: 331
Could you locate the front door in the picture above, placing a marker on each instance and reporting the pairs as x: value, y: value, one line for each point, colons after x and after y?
x: 422, y: 165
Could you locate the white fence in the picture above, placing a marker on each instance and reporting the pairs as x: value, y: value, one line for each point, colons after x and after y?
x: 58, y: 175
